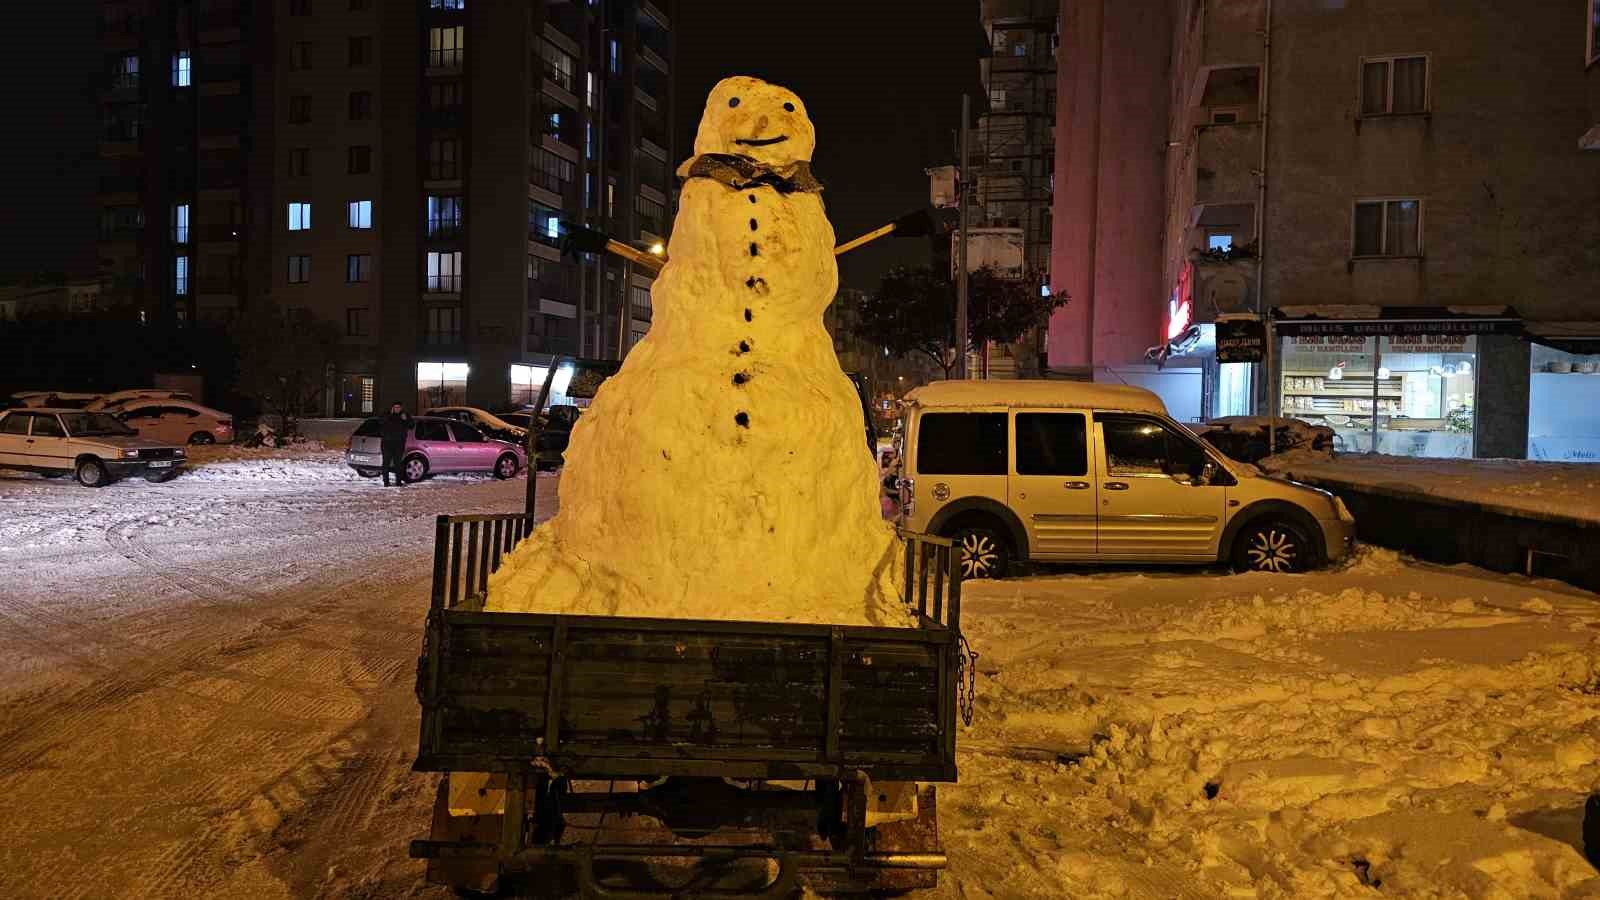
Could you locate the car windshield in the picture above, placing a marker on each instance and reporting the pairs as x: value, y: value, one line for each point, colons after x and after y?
x: 520, y: 420
x: 85, y: 424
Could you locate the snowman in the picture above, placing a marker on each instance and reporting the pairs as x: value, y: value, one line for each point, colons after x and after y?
x: 720, y: 473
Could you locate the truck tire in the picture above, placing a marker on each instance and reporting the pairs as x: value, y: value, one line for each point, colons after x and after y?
x: 1271, y: 544
x: 92, y: 473
x: 985, y: 552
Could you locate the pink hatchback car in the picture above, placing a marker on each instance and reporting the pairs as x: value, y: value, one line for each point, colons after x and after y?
x: 433, y: 447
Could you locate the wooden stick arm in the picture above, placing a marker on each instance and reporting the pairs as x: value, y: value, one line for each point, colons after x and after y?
x: 649, y: 260
x: 867, y: 238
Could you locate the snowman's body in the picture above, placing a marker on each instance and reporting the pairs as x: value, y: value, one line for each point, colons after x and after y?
x: 721, y: 472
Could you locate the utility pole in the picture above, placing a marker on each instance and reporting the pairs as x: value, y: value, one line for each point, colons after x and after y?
x: 963, y: 185
x: 624, y: 309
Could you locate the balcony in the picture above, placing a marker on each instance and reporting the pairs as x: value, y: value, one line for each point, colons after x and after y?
x: 646, y: 99
x: 1227, y: 156
x: 646, y: 8
x: 652, y: 57
x: 442, y: 284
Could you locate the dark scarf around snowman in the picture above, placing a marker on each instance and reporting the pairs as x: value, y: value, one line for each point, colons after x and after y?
x: 742, y: 172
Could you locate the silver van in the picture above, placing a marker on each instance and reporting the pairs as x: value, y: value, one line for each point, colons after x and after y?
x: 1077, y: 472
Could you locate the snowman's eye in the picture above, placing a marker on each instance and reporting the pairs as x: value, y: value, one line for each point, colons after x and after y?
x: 788, y: 107
x: 733, y: 102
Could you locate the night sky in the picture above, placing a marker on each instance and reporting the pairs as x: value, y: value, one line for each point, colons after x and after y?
x: 882, y: 79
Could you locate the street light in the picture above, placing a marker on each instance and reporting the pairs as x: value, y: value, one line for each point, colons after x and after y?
x: 658, y: 249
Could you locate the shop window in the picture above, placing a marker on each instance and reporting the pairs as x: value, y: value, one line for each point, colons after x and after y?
x: 1387, y: 228
x: 441, y: 384
x: 1394, y: 85
x: 1404, y: 395
x: 1564, y: 404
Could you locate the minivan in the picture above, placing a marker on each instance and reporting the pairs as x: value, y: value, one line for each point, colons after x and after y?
x: 1066, y: 471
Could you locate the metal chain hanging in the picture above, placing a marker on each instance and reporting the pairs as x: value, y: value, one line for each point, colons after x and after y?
x: 966, y: 681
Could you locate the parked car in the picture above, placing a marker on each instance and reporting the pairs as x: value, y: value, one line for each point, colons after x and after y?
x: 55, y: 399
x: 95, y: 447
x: 177, y: 421
x: 490, y: 424
x: 1076, y: 472
x: 434, y: 446
x: 117, y: 399
x: 1245, y: 438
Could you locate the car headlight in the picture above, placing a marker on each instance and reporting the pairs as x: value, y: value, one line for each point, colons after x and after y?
x: 180, y: 453
x: 131, y: 454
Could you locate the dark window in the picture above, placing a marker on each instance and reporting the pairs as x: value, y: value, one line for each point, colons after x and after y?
x: 1052, y: 444
x: 299, y: 7
x: 15, y: 423
x: 358, y: 268
x: 360, y: 105
x: 299, y: 269
x: 1388, y: 228
x: 1140, y: 446
x: 557, y: 65
x: 444, y: 95
x: 360, y: 50
x: 962, y: 444
x: 1394, y: 85
x: 551, y: 172
x: 432, y: 431
x: 467, y: 434
x: 360, y: 160
x: 444, y: 325
x: 300, y: 161
x: 300, y: 55
x: 355, y: 321
x: 443, y: 159
x: 47, y: 426
x: 370, y: 428
x: 300, y: 109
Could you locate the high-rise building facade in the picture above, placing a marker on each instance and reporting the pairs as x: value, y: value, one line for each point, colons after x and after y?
x: 1406, y: 189
x: 405, y: 170
x: 1014, y: 152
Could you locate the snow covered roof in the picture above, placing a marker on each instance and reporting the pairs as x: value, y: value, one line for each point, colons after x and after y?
x: 1048, y: 394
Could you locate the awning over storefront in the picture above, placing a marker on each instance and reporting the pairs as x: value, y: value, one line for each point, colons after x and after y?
x: 1582, y: 338
x: 1363, y: 321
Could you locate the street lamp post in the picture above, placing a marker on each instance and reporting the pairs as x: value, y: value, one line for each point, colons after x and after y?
x: 963, y: 186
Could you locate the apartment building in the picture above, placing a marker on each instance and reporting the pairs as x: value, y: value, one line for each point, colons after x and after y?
x: 1407, y: 189
x: 1014, y: 146
x: 405, y: 170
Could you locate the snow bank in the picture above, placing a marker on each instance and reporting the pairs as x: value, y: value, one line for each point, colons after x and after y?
x: 1571, y: 490
x: 720, y: 473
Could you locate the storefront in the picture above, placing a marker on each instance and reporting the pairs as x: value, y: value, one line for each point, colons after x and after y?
x: 1564, y: 391
x: 1400, y: 381
x: 441, y: 384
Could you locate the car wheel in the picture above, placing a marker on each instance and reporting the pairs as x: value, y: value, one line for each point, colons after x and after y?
x: 505, y: 466
x: 415, y: 468
x: 92, y: 473
x: 984, y: 553
x: 202, y: 437
x: 1272, y: 545
x: 366, y: 472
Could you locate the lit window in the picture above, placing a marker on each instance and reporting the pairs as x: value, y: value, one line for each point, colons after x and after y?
x: 444, y: 271
x: 1219, y: 242
x: 444, y: 216
x: 553, y: 124
x: 299, y: 217
x: 181, y: 71
x: 361, y: 214
x: 445, y: 46
x: 590, y: 91
x: 1387, y: 228
x: 299, y: 269
x: 180, y: 276
x: 180, y: 223
x: 552, y: 228
x: 446, y: 4
x: 588, y: 140
x: 358, y: 268
x: 1397, y: 84
x: 125, y: 73
x: 616, y: 65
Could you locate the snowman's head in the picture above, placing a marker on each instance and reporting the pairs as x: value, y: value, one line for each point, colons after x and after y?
x: 749, y: 117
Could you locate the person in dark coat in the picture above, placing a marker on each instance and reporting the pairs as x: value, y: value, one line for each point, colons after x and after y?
x: 396, y: 426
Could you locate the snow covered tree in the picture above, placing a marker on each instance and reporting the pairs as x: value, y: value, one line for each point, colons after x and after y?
x: 285, y: 359
x: 913, y: 311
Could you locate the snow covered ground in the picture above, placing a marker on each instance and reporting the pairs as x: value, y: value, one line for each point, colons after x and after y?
x: 206, y: 691
x: 1565, y: 489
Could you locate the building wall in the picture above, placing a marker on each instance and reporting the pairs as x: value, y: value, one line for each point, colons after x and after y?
x: 1110, y: 172
x: 1509, y: 202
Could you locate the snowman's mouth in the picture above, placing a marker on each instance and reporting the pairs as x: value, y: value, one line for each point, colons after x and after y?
x: 761, y: 142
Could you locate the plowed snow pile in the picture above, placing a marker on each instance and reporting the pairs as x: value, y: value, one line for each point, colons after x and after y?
x: 1372, y: 732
